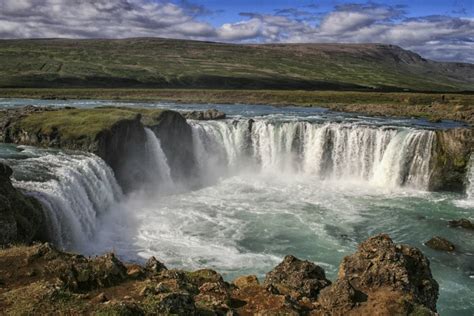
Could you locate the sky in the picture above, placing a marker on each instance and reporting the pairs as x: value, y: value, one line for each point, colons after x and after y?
x: 436, y: 29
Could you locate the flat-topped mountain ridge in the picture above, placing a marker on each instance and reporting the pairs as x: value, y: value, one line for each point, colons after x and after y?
x: 170, y: 63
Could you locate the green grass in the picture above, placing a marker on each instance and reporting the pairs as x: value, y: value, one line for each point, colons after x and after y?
x: 166, y: 63
x: 230, y: 96
x: 75, y: 124
x: 434, y: 106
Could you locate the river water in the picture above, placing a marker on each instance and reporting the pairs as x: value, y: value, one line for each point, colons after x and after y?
x: 301, y: 181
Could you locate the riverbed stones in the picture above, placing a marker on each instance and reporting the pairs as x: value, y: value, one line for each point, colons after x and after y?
x: 463, y: 223
x: 440, y: 243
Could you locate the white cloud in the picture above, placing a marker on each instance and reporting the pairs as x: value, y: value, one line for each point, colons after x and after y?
x: 241, y: 30
x: 436, y: 37
x: 97, y: 18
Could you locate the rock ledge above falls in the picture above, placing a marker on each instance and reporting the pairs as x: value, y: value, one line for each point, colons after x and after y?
x: 381, y: 278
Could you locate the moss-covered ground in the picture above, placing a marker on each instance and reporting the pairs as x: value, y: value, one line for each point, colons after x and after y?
x: 82, y: 123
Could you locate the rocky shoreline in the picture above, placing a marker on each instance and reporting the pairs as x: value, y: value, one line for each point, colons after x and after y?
x: 381, y: 278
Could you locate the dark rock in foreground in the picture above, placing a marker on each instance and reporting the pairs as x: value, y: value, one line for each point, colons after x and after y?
x: 463, y: 222
x: 381, y: 278
x: 440, y: 243
x: 296, y: 279
x: 21, y: 216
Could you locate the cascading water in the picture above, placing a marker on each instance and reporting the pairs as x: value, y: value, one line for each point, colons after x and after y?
x: 161, y: 179
x: 75, y: 190
x: 388, y: 157
x: 469, y: 201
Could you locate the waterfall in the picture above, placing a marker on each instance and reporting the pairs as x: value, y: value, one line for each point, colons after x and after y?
x: 384, y: 156
x: 470, y: 180
x: 160, y: 170
x: 75, y: 189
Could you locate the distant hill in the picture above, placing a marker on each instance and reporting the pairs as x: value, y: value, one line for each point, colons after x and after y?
x: 168, y: 63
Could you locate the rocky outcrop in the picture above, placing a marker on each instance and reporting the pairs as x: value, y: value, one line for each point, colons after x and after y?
x: 440, y: 243
x: 297, y: 279
x: 10, y: 134
x: 211, y: 114
x: 451, y: 153
x: 381, y: 278
x: 123, y: 148
x: 21, y: 217
x: 463, y: 223
x: 176, y: 139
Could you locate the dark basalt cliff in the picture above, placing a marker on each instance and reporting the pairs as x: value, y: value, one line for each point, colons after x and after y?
x: 117, y: 135
x: 451, y: 153
x: 21, y: 217
x: 176, y: 139
x: 381, y: 278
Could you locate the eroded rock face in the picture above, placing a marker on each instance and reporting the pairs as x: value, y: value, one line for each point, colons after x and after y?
x: 378, y: 274
x: 296, y: 278
x: 176, y: 139
x: 21, y: 216
x: 451, y: 153
x: 122, y: 147
x: 211, y: 114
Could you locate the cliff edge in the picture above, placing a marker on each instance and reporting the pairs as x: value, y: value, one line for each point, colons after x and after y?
x: 21, y: 216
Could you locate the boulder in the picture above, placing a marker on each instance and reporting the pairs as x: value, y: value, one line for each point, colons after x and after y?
x: 381, y: 278
x: 440, y: 243
x: 245, y: 281
x: 296, y: 278
x: 169, y: 304
x: 154, y: 266
x: 463, y: 222
x: 202, y: 276
x: 213, y: 296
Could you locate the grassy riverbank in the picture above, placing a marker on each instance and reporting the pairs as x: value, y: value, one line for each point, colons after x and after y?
x: 433, y: 106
